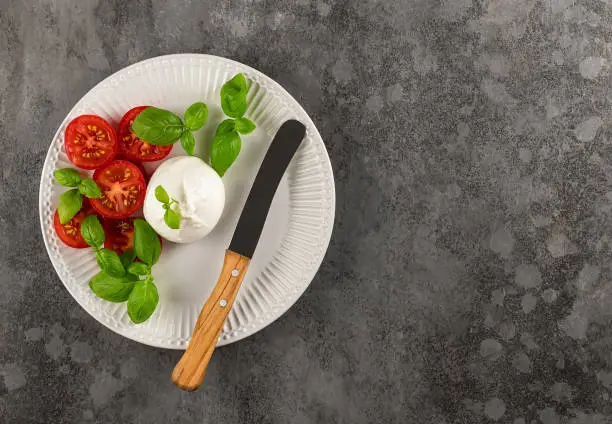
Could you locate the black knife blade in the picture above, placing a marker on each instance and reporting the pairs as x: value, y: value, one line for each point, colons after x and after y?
x: 284, y: 145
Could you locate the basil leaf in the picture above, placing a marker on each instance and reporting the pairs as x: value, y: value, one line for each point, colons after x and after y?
x: 110, y: 263
x: 67, y: 177
x: 226, y: 126
x: 233, y: 96
x: 161, y: 194
x: 142, y: 301
x: 111, y: 288
x: 196, y: 115
x: 188, y: 142
x: 224, y: 151
x: 127, y: 258
x: 244, y: 125
x: 90, y: 189
x: 70, y: 203
x: 158, y: 126
x: 146, y: 242
x: 92, y: 231
x: 172, y: 218
x: 237, y: 84
x: 139, y: 268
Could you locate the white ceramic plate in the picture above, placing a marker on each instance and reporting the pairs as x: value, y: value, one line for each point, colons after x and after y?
x: 294, y: 239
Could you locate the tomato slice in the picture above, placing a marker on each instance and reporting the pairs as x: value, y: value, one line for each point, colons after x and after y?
x: 119, y: 234
x: 133, y: 147
x: 90, y: 142
x: 123, y: 189
x: 70, y: 233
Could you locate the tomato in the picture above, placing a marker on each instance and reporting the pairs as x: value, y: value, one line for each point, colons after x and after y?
x: 133, y: 147
x: 119, y: 234
x: 90, y: 142
x: 70, y: 233
x: 123, y: 189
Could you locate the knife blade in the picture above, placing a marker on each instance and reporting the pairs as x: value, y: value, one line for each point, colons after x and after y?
x: 279, y: 154
x: 191, y: 368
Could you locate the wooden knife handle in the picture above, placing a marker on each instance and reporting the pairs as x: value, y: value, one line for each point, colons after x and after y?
x: 191, y: 368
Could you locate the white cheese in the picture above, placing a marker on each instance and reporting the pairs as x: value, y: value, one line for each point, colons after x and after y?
x: 200, y: 194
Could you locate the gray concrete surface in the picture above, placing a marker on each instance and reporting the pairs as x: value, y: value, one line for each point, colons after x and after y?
x: 468, y: 279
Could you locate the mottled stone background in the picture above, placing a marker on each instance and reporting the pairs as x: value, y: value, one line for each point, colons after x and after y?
x: 468, y: 279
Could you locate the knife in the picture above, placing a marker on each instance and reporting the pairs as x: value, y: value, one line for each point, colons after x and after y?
x: 191, y: 368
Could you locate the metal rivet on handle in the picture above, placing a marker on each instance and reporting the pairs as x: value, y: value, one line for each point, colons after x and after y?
x: 235, y: 273
x: 223, y: 303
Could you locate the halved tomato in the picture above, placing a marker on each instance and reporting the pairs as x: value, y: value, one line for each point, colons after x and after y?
x: 133, y: 147
x: 120, y: 234
x: 70, y: 233
x: 90, y: 142
x: 123, y: 189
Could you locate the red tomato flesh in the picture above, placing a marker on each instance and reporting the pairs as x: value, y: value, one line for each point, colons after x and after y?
x: 90, y: 141
x: 70, y: 233
x: 123, y: 189
x: 133, y: 147
x: 119, y: 234
x: 120, y: 156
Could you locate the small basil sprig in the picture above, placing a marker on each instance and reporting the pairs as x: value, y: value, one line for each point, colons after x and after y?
x: 172, y: 217
x: 226, y: 143
x: 162, y: 127
x: 144, y: 297
x: 71, y: 201
x: 122, y: 279
x: 112, y: 283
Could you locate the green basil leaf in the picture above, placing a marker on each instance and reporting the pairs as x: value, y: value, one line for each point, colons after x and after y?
x: 139, y: 268
x: 161, y: 194
x: 188, y: 142
x: 67, y: 177
x: 142, y: 301
x: 226, y: 126
x: 234, y: 106
x: 70, y: 203
x: 90, y: 189
x: 172, y: 218
x: 111, y: 288
x: 146, y: 242
x: 237, y: 84
x: 244, y: 125
x: 127, y: 257
x: 92, y: 231
x: 110, y: 263
x: 224, y: 151
x: 233, y: 96
x: 158, y: 126
x: 196, y: 115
